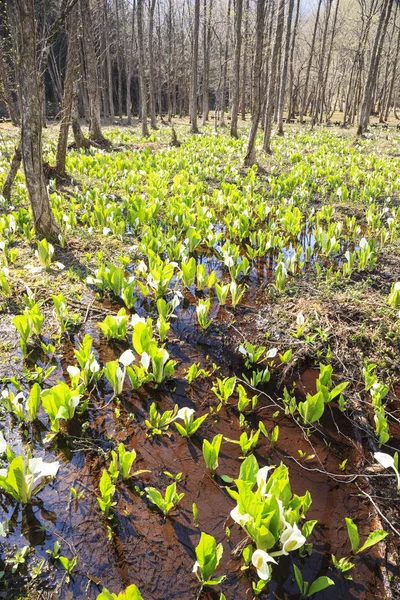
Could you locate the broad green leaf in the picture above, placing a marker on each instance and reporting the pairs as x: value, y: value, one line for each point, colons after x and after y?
x: 374, y: 538
x: 320, y: 584
x: 353, y: 534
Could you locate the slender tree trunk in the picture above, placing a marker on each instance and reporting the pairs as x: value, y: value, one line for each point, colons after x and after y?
x: 92, y: 83
x: 374, y: 66
x: 320, y: 81
x: 206, y: 59
x: 250, y: 157
x: 236, y: 68
x: 169, y: 66
x: 282, y: 92
x: 195, y: 62
x: 153, y: 122
x: 244, y: 65
x: 108, y: 63
x: 80, y: 140
x: 119, y: 61
x: 160, y: 82
x: 12, y: 173
x: 68, y: 97
x: 291, y: 110
x: 307, y: 80
x: 224, y: 78
x: 271, y: 98
x: 7, y: 95
x: 142, y: 75
x: 23, y: 16
x: 393, y: 77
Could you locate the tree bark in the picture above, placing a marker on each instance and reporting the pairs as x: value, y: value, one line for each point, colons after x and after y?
x: 282, y: 91
x: 370, y: 83
x: 12, y: 173
x: 250, y: 157
x: 68, y: 96
x: 291, y: 69
x: 225, y: 71
x: 195, y: 62
x: 153, y: 122
x: 271, y: 97
x: 236, y: 68
x: 7, y: 95
x: 23, y: 15
x: 142, y: 74
x: 307, y: 80
x: 244, y: 65
x: 91, y: 77
x: 206, y: 59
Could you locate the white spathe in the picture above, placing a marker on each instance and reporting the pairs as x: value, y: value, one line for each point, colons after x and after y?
x: 127, y: 358
x: 292, y: 539
x: 3, y: 443
x: 239, y: 518
x: 185, y: 413
x: 387, y: 462
x: 261, y: 560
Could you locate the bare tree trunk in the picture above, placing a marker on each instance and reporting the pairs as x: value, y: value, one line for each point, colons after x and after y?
x: 119, y: 61
x: 108, y: 63
x: 236, y: 68
x: 374, y: 66
x: 393, y: 77
x: 206, y: 59
x: 195, y: 62
x: 142, y: 75
x: 315, y: 111
x: 160, y: 110
x: 282, y: 91
x: 250, y: 157
x: 291, y: 110
x: 12, y: 173
x: 224, y: 78
x: 307, y: 80
x: 68, y: 97
x: 153, y: 122
x: 169, y: 82
x: 271, y: 98
x: 329, y: 59
x: 23, y: 15
x: 92, y: 83
x: 80, y: 140
x: 244, y: 66
x: 7, y: 95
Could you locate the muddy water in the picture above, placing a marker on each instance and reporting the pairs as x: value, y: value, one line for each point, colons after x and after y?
x: 157, y: 554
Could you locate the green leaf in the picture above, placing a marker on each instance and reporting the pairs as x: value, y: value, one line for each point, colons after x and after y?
x: 320, y: 584
x: 374, y: 538
x: 353, y: 535
x: 249, y: 469
x: 299, y: 578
